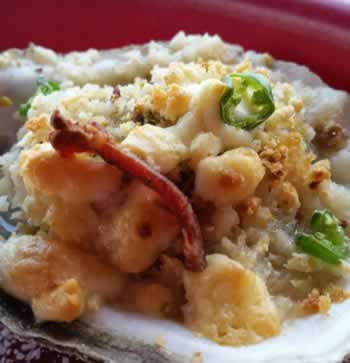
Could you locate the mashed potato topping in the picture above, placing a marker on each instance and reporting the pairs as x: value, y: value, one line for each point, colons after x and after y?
x: 89, y: 233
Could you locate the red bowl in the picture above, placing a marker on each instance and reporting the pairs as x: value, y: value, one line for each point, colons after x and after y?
x: 315, y: 33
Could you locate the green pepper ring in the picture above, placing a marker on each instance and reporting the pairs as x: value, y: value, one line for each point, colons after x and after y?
x: 260, y: 100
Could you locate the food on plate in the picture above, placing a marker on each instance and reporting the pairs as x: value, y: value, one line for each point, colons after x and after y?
x: 187, y: 180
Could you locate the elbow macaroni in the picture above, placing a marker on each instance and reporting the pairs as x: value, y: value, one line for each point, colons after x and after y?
x: 229, y: 304
x: 204, y: 145
x: 160, y: 148
x: 229, y: 178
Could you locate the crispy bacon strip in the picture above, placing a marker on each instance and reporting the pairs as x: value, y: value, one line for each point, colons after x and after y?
x: 69, y: 138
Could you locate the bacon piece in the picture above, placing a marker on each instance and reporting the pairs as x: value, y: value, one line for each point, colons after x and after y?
x: 69, y: 138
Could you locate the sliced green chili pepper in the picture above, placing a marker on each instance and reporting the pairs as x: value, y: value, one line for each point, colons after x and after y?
x: 329, y: 242
x: 248, y: 100
x: 24, y: 107
x: 325, y: 222
x: 318, y: 246
x: 45, y: 87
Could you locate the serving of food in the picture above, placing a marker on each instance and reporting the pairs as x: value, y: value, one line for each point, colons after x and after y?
x: 186, y: 191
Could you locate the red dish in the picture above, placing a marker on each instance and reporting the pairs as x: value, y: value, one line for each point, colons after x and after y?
x: 315, y: 33
x: 311, y: 32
